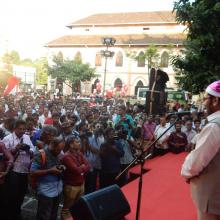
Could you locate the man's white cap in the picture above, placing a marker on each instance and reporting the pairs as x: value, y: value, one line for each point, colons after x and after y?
x: 214, y: 89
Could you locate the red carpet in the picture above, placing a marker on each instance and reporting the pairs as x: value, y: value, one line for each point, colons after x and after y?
x: 165, y: 195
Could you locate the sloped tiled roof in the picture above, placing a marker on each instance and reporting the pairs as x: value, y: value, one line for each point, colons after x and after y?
x: 119, y: 19
x: 121, y: 40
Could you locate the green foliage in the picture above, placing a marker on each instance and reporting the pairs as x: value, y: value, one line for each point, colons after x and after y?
x: 199, y: 63
x: 11, y: 58
x: 150, y: 55
x: 73, y: 71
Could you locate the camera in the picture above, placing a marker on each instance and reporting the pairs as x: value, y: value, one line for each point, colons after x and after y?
x: 61, y: 167
x: 2, y: 134
x: 121, y: 133
x: 25, y: 147
x: 1, y: 156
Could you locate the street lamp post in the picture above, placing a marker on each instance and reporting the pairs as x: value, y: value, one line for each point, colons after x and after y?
x: 108, y: 41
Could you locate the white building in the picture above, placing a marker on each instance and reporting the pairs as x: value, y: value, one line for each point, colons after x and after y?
x: 133, y: 32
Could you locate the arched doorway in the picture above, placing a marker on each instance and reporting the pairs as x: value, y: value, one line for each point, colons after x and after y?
x: 118, y: 84
x: 138, y: 85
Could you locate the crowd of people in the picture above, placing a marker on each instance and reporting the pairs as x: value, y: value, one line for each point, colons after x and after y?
x: 66, y: 147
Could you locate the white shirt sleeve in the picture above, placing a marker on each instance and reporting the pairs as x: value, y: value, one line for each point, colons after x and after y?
x: 27, y: 141
x: 207, y: 146
x: 6, y: 141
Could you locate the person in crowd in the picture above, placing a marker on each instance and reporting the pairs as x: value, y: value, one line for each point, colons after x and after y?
x: 73, y: 119
x: 76, y: 166
x: 95, y: 141
x: 35, y: 116
x: 54, y: 120
x: 90, y: 154
x: 204, y: 119
x: 170, y: 122
x: 45, y: 114
x: 177, y: 140
x: 11, y: 112
x: 42, y: 138
x: 201, y: 167
x: 181, y: 108
x: 28, y: 113
x: 125, y: 120
x: 110, y: 152
x: 157, y: 119
x: 127, y: 157
x: 176, y: 105
x: 148, y: 130
x: 8, y: 126
x: 2, y: 109
x: 49, y: 180
x: 161, y: 146
x: 190, y: 133
x: 67, y: 128
x: 30, y: 129
x: 6, y: 163
x: 197, y: 126
x: 22, y: 149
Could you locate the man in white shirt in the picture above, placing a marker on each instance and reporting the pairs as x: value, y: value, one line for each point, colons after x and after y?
x: 190, y: 133
x: 22, y: 149
x: 202, y: 166
x: 161, y: 147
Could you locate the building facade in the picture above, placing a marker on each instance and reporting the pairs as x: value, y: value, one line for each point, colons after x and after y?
x: 134, y: 34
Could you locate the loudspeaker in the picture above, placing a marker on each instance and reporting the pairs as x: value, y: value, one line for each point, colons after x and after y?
x: 156, y: 97
x: 105, y: 204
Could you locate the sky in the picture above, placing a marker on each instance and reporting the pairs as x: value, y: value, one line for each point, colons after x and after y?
x: 27, y: 25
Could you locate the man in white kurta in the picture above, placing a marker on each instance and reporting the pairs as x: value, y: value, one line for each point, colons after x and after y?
x: 202, y: 166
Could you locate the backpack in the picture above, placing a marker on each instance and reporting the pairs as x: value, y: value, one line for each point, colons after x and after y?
x: 33, y: 179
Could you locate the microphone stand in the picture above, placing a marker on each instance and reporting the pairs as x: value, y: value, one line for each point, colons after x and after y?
x: 142, y: 158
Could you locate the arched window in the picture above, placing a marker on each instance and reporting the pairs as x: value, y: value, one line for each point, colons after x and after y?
x: 164, y: 59
x: 141, y: 59
x: 98, y: 59
x: 138, y: 85
x: 119, y: 59
x: 78, y: 56
x: 118, y: 84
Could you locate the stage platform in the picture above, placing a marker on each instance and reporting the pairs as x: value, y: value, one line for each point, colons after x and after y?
x: 165, y: 194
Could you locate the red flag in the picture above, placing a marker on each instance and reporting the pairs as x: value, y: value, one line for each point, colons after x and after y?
x: 12, y: 82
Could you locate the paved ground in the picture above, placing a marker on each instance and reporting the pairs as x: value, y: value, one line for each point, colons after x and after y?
x: 29, y: 208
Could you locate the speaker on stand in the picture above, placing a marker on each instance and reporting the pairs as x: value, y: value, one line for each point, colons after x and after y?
x: 156, y: 97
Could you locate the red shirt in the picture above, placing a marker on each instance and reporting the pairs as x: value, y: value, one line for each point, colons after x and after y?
x: 74, y: 173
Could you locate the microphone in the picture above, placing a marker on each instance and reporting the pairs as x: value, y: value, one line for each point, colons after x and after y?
x: 179, y: 113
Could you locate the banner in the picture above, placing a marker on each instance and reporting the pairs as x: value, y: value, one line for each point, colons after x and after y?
x: 13, y: 81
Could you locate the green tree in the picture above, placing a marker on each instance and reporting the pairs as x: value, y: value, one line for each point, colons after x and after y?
x: 11, y: 58
x: 199, y: 62
x: 150, y: 56
x: 71, y: 72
